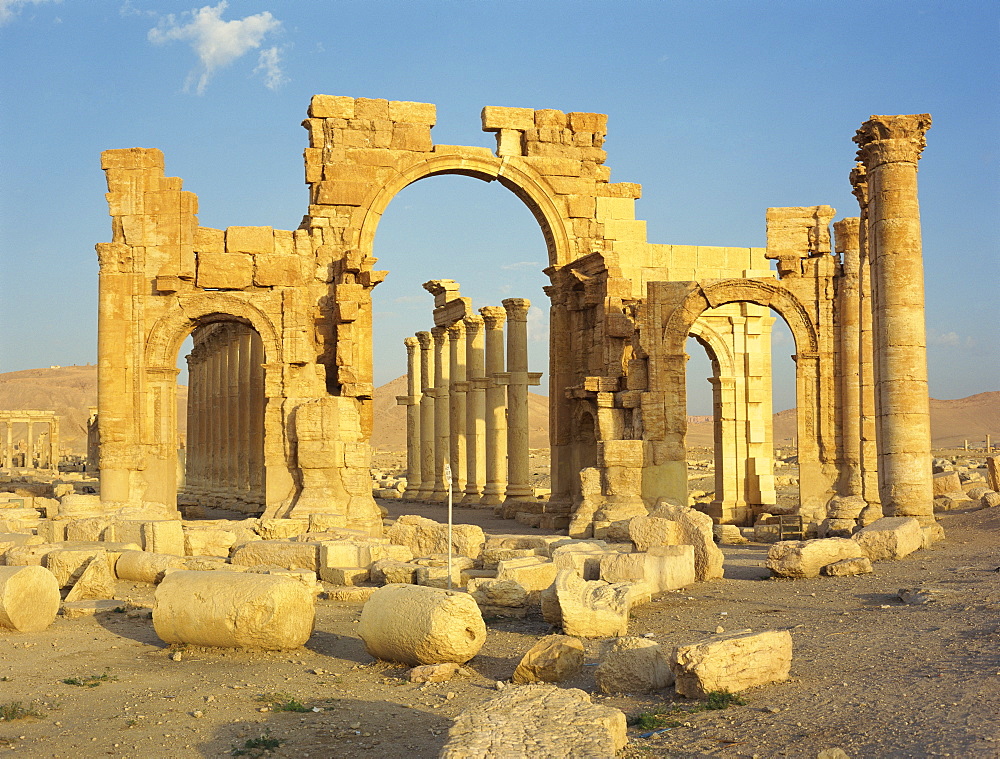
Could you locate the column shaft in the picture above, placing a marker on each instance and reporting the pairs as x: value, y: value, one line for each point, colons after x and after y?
x: 518, y: 465
x: 412, y: 402
x: 457, y: 407
x: 849, y: 358
x: 475, y: 409
x: 496, y: 403
x: 427, y: 442
x: 442, y: 413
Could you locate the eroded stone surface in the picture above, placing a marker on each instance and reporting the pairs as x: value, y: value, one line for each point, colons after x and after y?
x: 732, y: 662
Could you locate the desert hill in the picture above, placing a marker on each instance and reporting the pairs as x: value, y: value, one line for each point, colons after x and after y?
x: 71, y: 390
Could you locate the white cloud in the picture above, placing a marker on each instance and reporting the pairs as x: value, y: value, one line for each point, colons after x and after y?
x: 218, y: 43
x: 521, y: 265
x: 269, y: 64
x: 10, y: 8
x: 538, y: 325
x: 950, y: 339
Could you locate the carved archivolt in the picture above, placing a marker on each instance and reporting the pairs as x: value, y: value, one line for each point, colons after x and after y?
x: 170, y: 330
x: 520, y: 180
x: 764, y: 292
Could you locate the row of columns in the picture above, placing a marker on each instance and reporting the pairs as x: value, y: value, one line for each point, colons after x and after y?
x: 225, y: 418
x: 467, y: 409
x: 885, y: 407
x: 37, y: 452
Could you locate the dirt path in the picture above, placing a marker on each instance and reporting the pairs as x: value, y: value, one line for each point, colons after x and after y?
x: 871, y: 675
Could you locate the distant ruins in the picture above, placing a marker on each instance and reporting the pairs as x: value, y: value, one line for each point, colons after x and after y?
x: 281, y: 372
x: 21, y: 447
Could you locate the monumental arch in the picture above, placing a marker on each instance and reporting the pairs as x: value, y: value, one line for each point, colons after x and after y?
x: 285, y: 317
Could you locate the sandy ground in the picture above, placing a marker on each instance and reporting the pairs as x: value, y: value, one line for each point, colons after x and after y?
x: 870, y: 675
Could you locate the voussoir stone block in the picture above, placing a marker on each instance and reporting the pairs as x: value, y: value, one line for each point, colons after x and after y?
x: 553, y: 659
x: 233, y: 610
x: 29, y: 598
x: 634, y: 665
x: 890, y: 538
x: 805, y: 558
x: 731, y: 662
x: 414, y: 624
x: 533, y: 721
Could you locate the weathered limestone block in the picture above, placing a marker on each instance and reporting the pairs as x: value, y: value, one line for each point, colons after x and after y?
x: 32, y: 555
x: 29, y: 598
x: 425, y: 537
x: 731, y: 662
x: 212, y: 542
x: 289, y: 554
x: 491, y: 556
x: 415, y: 625
x: 80, y: 505
x: 89, y: 608
x: 67, y: 565
x: 534, y: 721
x: 282, y: 529
x: 869, y: 514
x: 836, y: 528
x: 848, y: 567
x: 434, y: 673
x: 233, y: 610
x: 946, y: 482
x: 696, y: 529
x: 437, y: 577
x: 728, y: 535
x: 392, y: 572
x: 533, y: 573
x: 96, y: 581
x: 634, y: 665
x: 592, y: 609
x: 543, y: 545
x: 653, y: 531
x: 553, y: 659
x: 989, y: 500
x: 493, y: 592
x: 90, y: 529
x: 890, y: 538
x: 805, y: 558
x: 661, y: 568
x: 140, y: 566
x: 951, y: 502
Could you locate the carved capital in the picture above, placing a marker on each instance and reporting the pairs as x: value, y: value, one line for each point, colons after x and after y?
x: 846, y: 234
x: 859, y: 185
x: 440, y: 335
x: 411, y: 344
x: 517, y: 308
x: 473, y: 324
x: 892, y: 139
x: 494, y: 316
x: 456, y: 330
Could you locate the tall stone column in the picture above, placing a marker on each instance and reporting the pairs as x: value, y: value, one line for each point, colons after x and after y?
x: 217, y: 420
x: 243, y: 400
x: 866, y: 351
x: 442, y: 413
x: 54, y: 444
x: 427, y: 456
x: 457, y: 407
x: 232, y: 435
x: 846, y: 234
x: 889, y: 147
x: 412, y: 402
x: 475, y: 410
x: 258, y: 405
x: 517, y: 380
x: 496, y: 404
x: 29, y: 456
x: 8, y: 449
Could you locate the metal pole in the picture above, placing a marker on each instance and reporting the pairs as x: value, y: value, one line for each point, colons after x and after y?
x: 447, y: 479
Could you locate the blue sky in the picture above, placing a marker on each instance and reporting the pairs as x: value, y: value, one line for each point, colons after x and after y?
x: 719, y: 109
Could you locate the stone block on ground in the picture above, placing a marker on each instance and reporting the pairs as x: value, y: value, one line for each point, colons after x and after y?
x: 696, y: 530
x: 805, y: 558
x: 535, y: 721
x: 290, y: 554
x: 434, y: 673
x: 592, y: 609
x: 282, y: 529
x: 890, y: 538
x: 139, y: 566
x: 728, y: 535
x: 67, y: 565
x: 848, y: 567
x: 233, y: 610
x: 946, y: 482
x: 731, y: 662
x: 533, y: 573
x: 661, y: 568
x: 29, y: 598
x: 208, y: 542
x: 414, y: 625
x: 96, y: 581
x: 390, y: 571
x: 646, y: 531
x: 494, y: 592
x: 988, y: 500
x: 425, y: 536
x: 634, y: 665
x: 553, y: 659
x: 91, y: 608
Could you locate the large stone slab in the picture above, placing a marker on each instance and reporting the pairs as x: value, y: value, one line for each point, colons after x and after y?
x: 634, y: 665
x: 536, y: 721
x: 731, y: 662
x: 890, y: 538
x: 290, y: 554
x: 805, y: 558
x: 425, y: 537
x: 662, y: 568
x: 696, y: 530
x: 552, y: 659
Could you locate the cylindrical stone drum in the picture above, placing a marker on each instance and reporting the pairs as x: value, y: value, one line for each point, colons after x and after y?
x: 233, y: 610
x: 415, y: 624
x: 142, y: 566
x: 29, y: 598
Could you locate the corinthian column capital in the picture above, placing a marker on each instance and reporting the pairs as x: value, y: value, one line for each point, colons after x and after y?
x: 892, y: 139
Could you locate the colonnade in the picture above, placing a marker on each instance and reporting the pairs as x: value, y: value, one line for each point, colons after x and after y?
x: 467, y: 408
x: 27, y: 449
x: 225, y: 418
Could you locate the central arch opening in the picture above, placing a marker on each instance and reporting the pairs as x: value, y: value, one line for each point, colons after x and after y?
x: 486, y: 239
